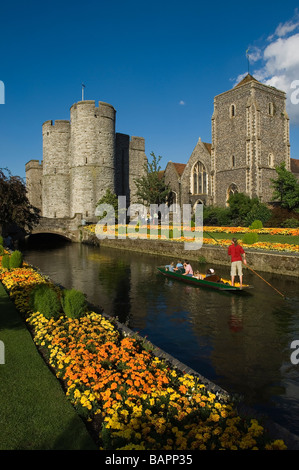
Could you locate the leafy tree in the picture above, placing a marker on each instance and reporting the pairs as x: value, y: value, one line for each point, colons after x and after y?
x: 111, y: 199
x: 286, y: 188
x: 240, y: 205
x: 258, y: 211
x: 15, y: 207
x: 151, y: 188
x: 216, y: 215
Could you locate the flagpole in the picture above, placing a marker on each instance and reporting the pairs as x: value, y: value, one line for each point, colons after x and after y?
x: 83, y: 86
x: 247, y: 55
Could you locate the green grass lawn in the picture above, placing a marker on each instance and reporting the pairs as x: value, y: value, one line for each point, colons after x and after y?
x: 263, y: 237
x: 34, y: 411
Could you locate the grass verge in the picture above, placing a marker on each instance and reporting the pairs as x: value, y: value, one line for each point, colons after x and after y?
x: 34, y: 412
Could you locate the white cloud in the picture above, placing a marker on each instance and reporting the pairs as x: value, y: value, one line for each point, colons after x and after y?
x: 182, y: 103
x: 254, y: 54
x: 285, y: 28
x: 277, y: 62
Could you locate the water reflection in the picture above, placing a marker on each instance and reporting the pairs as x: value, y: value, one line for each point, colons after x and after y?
x: 239, y: 342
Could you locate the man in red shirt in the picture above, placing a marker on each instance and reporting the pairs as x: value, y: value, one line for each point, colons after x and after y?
x: 237, y: 254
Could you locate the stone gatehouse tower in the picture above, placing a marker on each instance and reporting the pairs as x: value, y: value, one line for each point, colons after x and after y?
x: 250, y: 136
x: 82, y: 158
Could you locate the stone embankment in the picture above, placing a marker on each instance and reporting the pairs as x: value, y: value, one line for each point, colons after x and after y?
x: 284, y: 263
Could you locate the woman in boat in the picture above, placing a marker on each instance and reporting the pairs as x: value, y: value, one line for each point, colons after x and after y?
x: 188, y: 269
x: 170, y: 267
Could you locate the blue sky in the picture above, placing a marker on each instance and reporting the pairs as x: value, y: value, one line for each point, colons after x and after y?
x: 160, y: 64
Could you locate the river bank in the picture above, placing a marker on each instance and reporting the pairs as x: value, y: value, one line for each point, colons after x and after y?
x: 284, y: 263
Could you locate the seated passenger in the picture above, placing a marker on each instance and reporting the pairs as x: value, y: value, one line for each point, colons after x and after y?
x: 188, y: 269
x: 198, y: 275
x: 179, y: 267
x: 211, y: 276
x: 170, y: 267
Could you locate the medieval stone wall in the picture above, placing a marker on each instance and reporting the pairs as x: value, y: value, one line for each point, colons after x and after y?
x: 82, y: 158
x: 34, y: 172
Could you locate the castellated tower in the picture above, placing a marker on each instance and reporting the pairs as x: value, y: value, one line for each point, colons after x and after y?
x: 250, y: 136
x: 92, y: 150
x: 82, y: 158
x: 56, y: 182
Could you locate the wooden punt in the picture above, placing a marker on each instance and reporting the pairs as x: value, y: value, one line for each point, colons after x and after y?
x: 224, y: 285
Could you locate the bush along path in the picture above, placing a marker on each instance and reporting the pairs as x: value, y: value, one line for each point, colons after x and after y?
x: 34, y: 412
x: 128, y: 397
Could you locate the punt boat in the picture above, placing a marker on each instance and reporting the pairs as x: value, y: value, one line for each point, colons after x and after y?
x: 222, y: 285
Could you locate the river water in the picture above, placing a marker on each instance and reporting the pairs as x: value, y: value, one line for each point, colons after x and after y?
x: 240, y: 342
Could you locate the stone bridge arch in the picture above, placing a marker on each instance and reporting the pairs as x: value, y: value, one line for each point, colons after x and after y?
x: 66, y: 227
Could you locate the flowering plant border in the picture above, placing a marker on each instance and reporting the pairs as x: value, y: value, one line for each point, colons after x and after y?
x: 126, y: 394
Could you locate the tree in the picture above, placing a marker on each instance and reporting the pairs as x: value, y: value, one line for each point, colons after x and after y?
x: 286, y: 188
x: 110, y: 199
x: 15, y: 207
x: 240, y: 205
x: 151, y: 188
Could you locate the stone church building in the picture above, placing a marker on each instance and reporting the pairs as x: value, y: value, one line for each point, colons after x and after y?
x: 250, y: 136
x: 83, y: 157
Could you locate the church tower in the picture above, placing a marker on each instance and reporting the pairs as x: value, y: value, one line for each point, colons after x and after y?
x: 250, y: 136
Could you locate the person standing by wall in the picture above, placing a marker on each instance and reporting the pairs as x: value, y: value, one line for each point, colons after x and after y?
x: 237, y: 254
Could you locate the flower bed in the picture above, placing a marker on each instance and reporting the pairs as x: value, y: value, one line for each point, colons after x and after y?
x: 130, y: 398
x: 189, y: 236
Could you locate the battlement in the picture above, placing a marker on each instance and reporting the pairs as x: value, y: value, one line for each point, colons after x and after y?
x: 33, y: 164
x: 89, y: 106
x: 58, y: 124
x: 137, y: 143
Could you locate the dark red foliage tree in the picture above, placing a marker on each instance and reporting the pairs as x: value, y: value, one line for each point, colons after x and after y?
x: 15, y: 207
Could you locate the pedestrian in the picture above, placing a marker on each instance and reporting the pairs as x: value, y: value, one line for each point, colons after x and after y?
x: 237, y: 254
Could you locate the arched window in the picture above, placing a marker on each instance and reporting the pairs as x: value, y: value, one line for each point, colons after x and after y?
x: 199, y: 179
x: 271, y: 159
x: 199, y: 201
x: 172, y: 198
x: 233, y: 110
x: 233, y: 161
x: 233, y: 189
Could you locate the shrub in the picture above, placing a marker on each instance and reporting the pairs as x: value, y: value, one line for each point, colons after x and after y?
x: 258, y: 211
x: 250, y: 238
x: 74, y: 303
x: 1, y: 240
x: 291, y: 223
x: 280, y: 215
x: 219, y: 216
x: 240, y: 205
x: 256, y: 224
x: 44, y: 299
x: 16, y: 260
x: 1, y: 250
x: 5, y: 261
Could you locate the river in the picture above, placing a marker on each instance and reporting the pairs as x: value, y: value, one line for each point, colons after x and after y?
x: 240, y: 342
